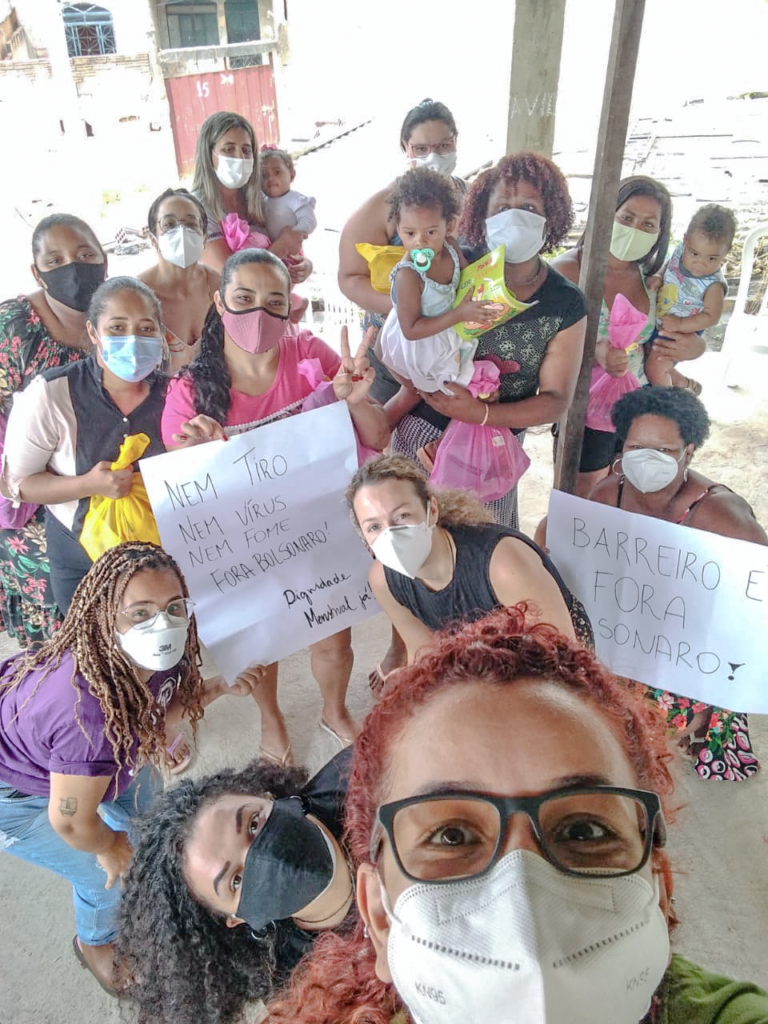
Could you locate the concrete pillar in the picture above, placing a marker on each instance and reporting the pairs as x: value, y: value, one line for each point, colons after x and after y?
x: 536, y: 48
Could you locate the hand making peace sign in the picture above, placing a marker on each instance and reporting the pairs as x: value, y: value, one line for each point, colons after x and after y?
x: 355, y: 375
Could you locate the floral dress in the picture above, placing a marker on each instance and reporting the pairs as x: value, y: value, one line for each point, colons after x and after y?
x: 28, y: 610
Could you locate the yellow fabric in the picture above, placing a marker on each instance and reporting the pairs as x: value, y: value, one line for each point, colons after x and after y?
x: 486, y: 275
x: 381, y: 260
x: 110, y: 521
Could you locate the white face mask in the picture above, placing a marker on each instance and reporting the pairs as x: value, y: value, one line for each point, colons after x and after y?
x: 404, y: 549
x: 233, y: 172
x: 649, y: 470
x: 442, y: 163
x: 181, y: 246
x: 158, y: 648
x: 528, y: 944
x: 519, y: 231
x: 629, y: 244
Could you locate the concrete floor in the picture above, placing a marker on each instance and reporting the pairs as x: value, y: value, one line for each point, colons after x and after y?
x: 718, y: 842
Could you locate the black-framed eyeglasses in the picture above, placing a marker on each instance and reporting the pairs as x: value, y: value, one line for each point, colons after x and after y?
x: 588, y: 830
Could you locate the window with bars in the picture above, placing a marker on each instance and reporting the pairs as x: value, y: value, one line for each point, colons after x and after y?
x: 89, y: 30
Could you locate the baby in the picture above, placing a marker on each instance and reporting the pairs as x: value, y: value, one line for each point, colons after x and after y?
x: 283, y: 206
x: 692, y: 288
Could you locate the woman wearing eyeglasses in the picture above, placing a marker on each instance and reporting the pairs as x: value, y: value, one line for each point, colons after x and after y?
x: 82, y: 725
x: 506, y: 811
x: 427, y: 139
x: 184, y: 286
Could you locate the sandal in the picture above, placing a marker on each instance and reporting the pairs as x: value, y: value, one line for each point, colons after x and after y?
x: 343, y: 741
x: 376, y: 680
x: 286, y: 761
x: 183, y: 764
x: 693, y: 385
x: 109, y: 989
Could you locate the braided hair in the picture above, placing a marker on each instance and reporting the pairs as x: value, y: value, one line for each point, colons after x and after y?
x: 176, y: 959
x: 88, y: 634
x: 209, y: 371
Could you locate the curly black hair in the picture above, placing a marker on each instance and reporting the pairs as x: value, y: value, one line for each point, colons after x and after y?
x: 536, y: 170
x: 718, y: 223
x: 177, y: 959
x: 676, y: 404
x: 423, y: 188
x: 209, y: 371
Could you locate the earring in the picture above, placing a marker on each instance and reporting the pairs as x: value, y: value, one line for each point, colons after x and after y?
x: 365, y: 931
x: 615, y: 464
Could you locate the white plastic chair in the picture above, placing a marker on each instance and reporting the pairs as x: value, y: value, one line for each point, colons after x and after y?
x: 745, y: 330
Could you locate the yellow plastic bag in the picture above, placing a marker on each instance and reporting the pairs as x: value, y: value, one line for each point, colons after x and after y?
x: 487, y: 276
x: 381, y: 260
x: 110, y: 521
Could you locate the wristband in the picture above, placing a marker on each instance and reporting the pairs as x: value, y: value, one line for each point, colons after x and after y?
x: 487, y: 414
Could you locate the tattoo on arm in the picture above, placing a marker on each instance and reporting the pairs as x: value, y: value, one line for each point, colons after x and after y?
x: 68, y: 807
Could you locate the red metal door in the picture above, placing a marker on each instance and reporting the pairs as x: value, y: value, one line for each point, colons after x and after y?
x: 247, y: 91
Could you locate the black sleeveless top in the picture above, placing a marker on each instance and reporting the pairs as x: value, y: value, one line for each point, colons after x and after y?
x: 469, y: 596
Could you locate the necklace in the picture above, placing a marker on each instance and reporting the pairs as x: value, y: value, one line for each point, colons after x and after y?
x: 529, y: 280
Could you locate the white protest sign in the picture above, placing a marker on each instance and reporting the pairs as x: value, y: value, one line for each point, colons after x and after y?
x: 259, y: 527
x: 672, y: 607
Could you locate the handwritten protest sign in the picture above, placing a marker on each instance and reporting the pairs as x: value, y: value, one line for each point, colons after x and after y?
x: 670, y: 606
x: 259, y: 527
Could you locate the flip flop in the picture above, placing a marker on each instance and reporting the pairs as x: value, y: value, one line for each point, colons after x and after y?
x: 343, y: 741
x: 694, y: 386
x: 286, y: 761
x: 377, y: 679
x: 183, y: 764
x: 84, y: 963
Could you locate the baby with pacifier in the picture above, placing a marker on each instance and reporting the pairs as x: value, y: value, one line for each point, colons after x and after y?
x: 418, y: 343
x: 692, y: 288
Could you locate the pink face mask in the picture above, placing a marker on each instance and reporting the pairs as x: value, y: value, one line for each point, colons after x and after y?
x: 254, y: 330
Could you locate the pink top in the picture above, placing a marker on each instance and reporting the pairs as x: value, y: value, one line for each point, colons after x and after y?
x: 283, y: 398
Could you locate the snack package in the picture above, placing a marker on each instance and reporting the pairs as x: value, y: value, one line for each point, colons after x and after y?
x: 381, y: 260
x: 487, y: 277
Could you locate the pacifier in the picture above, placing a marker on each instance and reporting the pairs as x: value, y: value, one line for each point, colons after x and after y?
x: 422, y: 259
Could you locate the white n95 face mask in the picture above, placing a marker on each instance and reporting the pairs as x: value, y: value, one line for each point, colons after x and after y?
x: 158, y: 648
x: 526, y: 944
x: 521, y: 232
x: 233, y: 172
x: 404, y: 549
x: 649, y: 470
x: 442, y: 163
x: 181, y: 246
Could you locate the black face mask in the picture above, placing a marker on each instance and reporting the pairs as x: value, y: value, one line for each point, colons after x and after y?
x: 288, y: 865
x: 73, y: 284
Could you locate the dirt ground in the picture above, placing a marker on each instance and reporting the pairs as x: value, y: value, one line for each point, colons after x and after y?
x: 718, y: 842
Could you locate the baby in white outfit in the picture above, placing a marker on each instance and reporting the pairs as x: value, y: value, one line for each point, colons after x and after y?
x: 283, y: 206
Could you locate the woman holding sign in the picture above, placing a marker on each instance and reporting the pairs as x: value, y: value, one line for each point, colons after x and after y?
x: 440, y: 557
x: 660, y: 429
x: 250, y: 373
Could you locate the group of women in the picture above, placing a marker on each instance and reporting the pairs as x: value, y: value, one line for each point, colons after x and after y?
x: 436, y: 871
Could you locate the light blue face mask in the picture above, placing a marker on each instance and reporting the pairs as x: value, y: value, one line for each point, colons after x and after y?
x: 131, y: 358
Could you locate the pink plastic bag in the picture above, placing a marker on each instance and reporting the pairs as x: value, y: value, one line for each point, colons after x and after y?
x: 624, y: 326
x: 323, y: 394
x: 13, y: 517
x: 486, y: 460
x: 238, y: 234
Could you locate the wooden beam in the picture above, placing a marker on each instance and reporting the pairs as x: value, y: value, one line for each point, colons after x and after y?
x: 612, y: 135
x: 536, y: 49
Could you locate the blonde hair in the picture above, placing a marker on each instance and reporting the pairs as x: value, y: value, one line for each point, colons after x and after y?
x: 455, y: 507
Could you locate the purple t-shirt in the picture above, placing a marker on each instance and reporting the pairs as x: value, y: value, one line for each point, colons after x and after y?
x: 44, y: 736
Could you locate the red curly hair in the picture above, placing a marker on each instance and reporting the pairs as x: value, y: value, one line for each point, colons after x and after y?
x: 536, y: 170
x: 337, y: 982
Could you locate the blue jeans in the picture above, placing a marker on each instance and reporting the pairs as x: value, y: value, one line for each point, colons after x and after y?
x: 26, y: 832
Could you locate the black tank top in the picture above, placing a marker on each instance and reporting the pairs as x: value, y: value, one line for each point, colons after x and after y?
x: 469, y: 595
